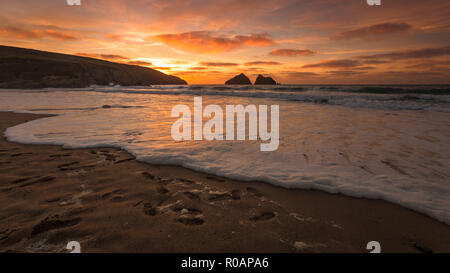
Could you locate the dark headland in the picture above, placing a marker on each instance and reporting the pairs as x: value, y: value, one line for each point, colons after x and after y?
x: 27, y: 68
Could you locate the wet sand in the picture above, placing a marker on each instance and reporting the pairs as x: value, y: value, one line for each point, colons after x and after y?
x: 109, y: 202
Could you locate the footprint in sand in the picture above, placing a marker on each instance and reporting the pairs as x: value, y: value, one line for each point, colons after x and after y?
x: 176, y: 207
x: 108, y: 194
x: 149, y: 209
x: 124, y: 160
x: 218, y: 196
x: 4, y: 234
x: 263, y: 216
x: 148, y: 175
x: 162, y: 190
x: 58, y: 199
x: 186, y: 215
x: 24, y: 179
x: 191, y: 220
x: 20, y: 154
x: 187, y: 181
x: 118, y: 198
x: 165, y: 181
x: 60, y: 155
x: 54, y: 223
x: 236, y: 194
x: 190, y: 216
x: 41, y: 180
x: 78, y: 211
x: 215, y: 178
x: 110, y: 157
x: 191, y: 211
x: 254, y: 191
x: 191, y: 195
x: 64, y: 167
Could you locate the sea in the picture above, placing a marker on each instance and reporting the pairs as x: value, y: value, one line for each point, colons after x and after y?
x: 378, y: 142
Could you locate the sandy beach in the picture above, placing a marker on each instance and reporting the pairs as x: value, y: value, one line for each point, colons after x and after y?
x: 109, y: 202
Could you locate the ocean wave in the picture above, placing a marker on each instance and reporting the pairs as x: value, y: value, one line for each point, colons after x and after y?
x: 313, y: 94
x: 398, y: 156
x: 372, y: 97
x: 106, y: 106
x: 413, y: 89
x: 426, y: 198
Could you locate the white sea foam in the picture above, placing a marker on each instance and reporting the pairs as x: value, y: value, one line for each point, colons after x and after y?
x: 399, y: 156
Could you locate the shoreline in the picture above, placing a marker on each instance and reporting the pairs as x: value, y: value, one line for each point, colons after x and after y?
x: 109, y: 202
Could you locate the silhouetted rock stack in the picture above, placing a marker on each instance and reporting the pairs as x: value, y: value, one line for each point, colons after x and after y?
x: 264, y: 80
x: 239, y: 79
x: 27, y: 68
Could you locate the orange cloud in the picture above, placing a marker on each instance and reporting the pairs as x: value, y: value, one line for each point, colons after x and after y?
x: 262, y: 63
x: 374, y: 30
x: 218, y: 64
x: 299, y: 74
x: 207, y: 42
x: 59, y: 35
x: 125, y: 38
x: 410, y: 54
x: 334, y: 64
x: 23, y: 33
x: 198, y: 68
x: 253, y: 69
x: 141, y: 63
x: 291, y: 52
x: 113, y: 37
x: 376, y: 62
x: 365, y: 68
x: 20, y: 33
x: 161, y: 68
x: 431, y: 64
x: 345, y: 73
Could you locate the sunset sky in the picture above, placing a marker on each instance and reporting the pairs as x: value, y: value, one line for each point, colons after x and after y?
x: 209, y: 41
